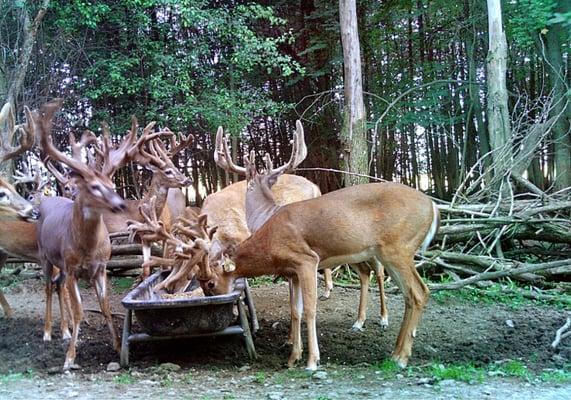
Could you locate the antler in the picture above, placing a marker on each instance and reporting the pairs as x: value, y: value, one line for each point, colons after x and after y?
x: 131, y: 148
x: 223, y: 158
x: 44, y: 122
x: 25, y: 131
x: 87, y: 138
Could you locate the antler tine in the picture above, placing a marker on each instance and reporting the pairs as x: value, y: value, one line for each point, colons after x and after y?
x: 298, y: 151
x: 222, y: 156
x: 87, y: 138
x: 183, y: 143
x: 61, y: 178
x: 45, y: 122
x: 26, y: 132
x: 21, y: 178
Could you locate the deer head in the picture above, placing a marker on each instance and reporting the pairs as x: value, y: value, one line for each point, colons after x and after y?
x: 260, y: 202
x: 95, y: 189
x: 148, y: 150
x: 11, y: 203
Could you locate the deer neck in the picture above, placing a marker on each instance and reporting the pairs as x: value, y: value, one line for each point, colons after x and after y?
x: 252, y: 259
x: 260, y: 205
x: 158, y: 190
x: 87, y: 225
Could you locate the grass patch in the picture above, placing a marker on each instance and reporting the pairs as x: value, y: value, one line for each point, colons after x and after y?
x: 261, y: 281
x: 496, y: 293
x: 121, y: 284
x: 461, y: 372
x: 556, y: 376
x: 123, y: 379
x: 260, y: 377
x: 16, y: 376
x: 387, y: 367
x: 514, y: 368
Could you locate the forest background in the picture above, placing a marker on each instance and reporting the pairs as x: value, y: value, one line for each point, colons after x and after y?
x: 429, y: 93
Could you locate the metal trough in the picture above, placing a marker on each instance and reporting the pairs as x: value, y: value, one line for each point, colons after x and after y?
x: 186, y: 317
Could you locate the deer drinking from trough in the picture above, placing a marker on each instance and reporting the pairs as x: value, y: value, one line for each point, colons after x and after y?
x: 384, y: 221
x: 261, y: 205
x: 72, y: 235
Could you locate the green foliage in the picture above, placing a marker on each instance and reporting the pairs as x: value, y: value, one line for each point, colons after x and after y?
x: 526, y: 19
x: 123, y: 379
x: 260, y: 377
x: 187, y: 62
x: 16, y: 376
x: 463, y: 372
x: 121, y: 284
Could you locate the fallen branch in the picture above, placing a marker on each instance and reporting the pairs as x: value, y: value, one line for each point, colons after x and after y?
x: 559, y: 335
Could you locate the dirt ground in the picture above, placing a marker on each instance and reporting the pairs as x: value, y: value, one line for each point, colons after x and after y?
x: 451, y: 332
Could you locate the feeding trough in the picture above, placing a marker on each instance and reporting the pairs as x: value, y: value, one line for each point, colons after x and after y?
x: 183, y: 316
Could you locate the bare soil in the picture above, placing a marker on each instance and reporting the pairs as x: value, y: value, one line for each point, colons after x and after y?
x: 451, y: 332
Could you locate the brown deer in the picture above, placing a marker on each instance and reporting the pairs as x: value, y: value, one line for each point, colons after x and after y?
x: 72, y: 235
x: 261, y: 205
x: 166, y: 176
x: 16, y: 237
x: 386, y: 221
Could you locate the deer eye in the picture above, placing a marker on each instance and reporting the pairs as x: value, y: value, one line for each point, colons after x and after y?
x: 2, y: 195
x: 96, y: 190
x: 169, y: 172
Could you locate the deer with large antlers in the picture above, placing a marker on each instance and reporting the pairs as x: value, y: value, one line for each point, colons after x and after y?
x: 16, y: 237
x: 261, y: 205
x: 72, y: 235
x: 388, y: 222
x: 158, y: 159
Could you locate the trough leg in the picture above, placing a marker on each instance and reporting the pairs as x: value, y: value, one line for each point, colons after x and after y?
x: 247, y: 333
x: 125, y: 339
x: 251, y: 308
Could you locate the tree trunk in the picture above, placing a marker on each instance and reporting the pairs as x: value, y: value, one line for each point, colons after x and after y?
x: 556, y: 36
x: 498, y: 115
x: 354, y: 130
x: 18, y: 75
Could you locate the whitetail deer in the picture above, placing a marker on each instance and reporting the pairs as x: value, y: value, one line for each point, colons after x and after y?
x: 72, y: 235
x: 16, y: 237
x: 166, y: 175
x: 384, y: 221
x: 261, y: 205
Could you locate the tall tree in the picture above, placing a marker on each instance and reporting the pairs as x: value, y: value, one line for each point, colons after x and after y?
x: 498, y: 113
x: 354, y: 130
x: 12, y: 76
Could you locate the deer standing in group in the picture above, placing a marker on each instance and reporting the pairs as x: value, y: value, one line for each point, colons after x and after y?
x: 72, y: 235
x: 261, y: 204
x: 17, y: 233
x: 166, y: 176
x: 384, y: 221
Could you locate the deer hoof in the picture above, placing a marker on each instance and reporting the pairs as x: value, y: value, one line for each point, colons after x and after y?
x: 384, y: 323
x: 47, y: 337
x: 357, y: 327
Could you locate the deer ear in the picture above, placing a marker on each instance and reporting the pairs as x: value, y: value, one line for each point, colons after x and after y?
x: 229, y: 265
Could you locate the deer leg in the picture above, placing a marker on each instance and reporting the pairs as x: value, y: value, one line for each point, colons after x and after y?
x: 296, y: 303
x: 100, y: 279
x: 415, y: 293
x: 364, y: 276
x: 307, y: 275
x: 48, y: 272
x: 64, y: 310
x: 328, y: 279
x: 380, y: 273
x: 146, y: 257
x: 76, y: 317
x: 8, y: 313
